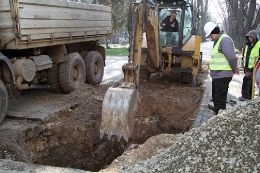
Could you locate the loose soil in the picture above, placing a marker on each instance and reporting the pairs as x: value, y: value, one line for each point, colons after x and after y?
x: 69, y: 135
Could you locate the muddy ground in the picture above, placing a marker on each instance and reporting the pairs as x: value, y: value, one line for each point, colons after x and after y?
x: 63, y: 129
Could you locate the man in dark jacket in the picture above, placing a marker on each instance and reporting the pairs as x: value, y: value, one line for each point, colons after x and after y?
x: 250, y: 52
x: 170, y: 23
x: 223, y: 64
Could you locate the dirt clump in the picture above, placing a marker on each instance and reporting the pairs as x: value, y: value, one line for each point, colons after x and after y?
x: 69, y: 137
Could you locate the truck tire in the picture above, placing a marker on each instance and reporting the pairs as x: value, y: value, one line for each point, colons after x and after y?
x: 72, y: 72
x: 94, y: 68
x: 53, y: 78
x: 83, y: 53
x: 3, y: 101
x: 145, y: 74
x: 186, y: 77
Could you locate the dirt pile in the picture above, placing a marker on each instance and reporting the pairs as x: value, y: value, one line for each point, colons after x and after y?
x: 228, y: 142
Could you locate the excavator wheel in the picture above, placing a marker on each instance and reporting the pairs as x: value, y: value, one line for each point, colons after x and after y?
x: 186, y: 77
x: 72, y: 72
x: 3, y: 101
x: 145, y: 74
x: 118, y: 111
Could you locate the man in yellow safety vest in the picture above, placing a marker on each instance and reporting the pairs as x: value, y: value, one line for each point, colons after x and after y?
x: 223, y: 64
x: 250, y: 52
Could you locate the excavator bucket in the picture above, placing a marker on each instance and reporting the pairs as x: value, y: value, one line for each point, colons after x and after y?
x: 118, y: 110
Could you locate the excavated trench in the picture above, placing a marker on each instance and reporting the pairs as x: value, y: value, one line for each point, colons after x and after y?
x: 70, y: 137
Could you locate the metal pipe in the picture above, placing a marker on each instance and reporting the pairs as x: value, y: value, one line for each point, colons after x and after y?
x: 19, y: 84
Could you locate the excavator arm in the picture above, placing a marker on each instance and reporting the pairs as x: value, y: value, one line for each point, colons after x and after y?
x: 142, y: 18
x: 120, y: 104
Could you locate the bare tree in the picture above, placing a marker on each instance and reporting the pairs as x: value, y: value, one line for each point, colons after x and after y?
x: 202, y: 7
x: 239, y: 17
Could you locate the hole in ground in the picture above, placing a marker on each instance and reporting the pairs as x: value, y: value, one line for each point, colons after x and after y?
x: 70, y: 138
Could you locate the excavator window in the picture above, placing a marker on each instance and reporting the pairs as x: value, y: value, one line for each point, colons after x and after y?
x: 169, y: 38
x: 187, y: 25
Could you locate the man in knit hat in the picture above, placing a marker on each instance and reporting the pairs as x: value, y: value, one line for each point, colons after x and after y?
x: 223, y: 64
x: 250, y: 52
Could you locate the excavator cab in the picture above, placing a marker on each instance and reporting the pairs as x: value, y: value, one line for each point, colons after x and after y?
x: 184, y: 17
x: 182, y: 54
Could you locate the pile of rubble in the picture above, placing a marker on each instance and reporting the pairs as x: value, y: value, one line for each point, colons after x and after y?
x: 228, y: 142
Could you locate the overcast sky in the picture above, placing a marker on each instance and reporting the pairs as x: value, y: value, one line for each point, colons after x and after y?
x: 215, y: 10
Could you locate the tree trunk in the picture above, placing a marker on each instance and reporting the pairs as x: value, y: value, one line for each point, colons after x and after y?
x: 106, y: 44
x: 240, y: 17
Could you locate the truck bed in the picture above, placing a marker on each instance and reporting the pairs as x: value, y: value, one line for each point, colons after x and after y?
x: 37, y: 23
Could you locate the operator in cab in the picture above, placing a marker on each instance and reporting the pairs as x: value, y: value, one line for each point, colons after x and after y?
x: 170, y: 23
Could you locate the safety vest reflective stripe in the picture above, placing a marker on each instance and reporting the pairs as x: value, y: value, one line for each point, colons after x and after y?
x: 218, y: 56
x: 254, y: 53
x: 218, y: 61
x: 251, y: 61
x: 220, y: 65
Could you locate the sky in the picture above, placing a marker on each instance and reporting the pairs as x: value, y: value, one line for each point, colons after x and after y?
x: 215, y: 11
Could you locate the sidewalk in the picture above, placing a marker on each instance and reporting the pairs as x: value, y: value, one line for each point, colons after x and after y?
x: 234, y: 92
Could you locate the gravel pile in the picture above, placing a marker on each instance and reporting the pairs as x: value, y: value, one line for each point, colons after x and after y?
x: 228, y: 142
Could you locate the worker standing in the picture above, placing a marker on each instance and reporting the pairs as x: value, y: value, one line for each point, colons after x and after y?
x: 250, y: 52
x: 223, y: 64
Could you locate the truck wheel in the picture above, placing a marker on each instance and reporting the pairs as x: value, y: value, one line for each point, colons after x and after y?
x: 186, y: 77
x: 53, y: 78
x: 72, y: 72
x: 94, y: 68
x: 83, y: 53
x: 3, y: 101
x: 145, y: 74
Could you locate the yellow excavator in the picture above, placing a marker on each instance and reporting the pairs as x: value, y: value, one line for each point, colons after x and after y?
x: 151, y: 49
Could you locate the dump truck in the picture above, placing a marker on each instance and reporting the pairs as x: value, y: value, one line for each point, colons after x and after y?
x: 152, y: 50
x: 50, y: 41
